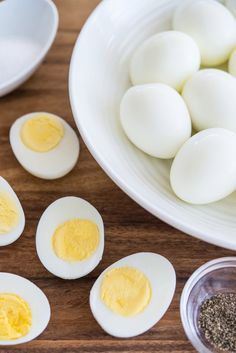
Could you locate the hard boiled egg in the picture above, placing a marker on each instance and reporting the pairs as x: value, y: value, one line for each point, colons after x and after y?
x: 204, y: 169
x: 24, y: 310
x: 232, y: 63
x: 70, y: 238
x: 231, y: 4
x: 210, y: 95
x: 44, y: 144
x: 211, y: 25
x: 155, y: 119
x: 132, y: 295
x: 169, y: 57
x: 12, y: 218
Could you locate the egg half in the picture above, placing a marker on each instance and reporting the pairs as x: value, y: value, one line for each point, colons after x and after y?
x: 44, y: 144
x: 204, y: 169
x: 211, y: 25
x: 132, y: 295
x: 24, y: 307
x: 12, y: 218
x: 70, y: 238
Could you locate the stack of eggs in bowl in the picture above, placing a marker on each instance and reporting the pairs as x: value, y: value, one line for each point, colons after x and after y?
x: 179, y: 87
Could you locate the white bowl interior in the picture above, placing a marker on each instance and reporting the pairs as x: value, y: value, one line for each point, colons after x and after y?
x: 98, y: 79
x: 27, y: 29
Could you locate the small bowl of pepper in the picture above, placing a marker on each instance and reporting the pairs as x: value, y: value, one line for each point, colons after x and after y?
x: 208, y: 306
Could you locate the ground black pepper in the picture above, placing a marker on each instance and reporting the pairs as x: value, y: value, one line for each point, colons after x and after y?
x: 217, y: 320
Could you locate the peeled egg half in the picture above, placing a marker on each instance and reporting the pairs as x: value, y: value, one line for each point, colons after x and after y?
x: 155, y: 118
x: 133, y: 294
x: 210, y: 95
x: 70, y: 238
x: 44, y: 144
x: 22, y: 303
x: 211, y: 25
x: 12, y: 218
x: 204, y: 169
x: 169, y: 57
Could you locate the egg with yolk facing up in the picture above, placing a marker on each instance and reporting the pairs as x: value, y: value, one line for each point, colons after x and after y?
x: 44, y: 144
x: 70, y: 238
x: 12, y: 218
x: 24, y: 310
x: 132, y: 295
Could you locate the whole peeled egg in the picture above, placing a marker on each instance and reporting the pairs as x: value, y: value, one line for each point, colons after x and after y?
x: 170, y: 57
x: 231, y: 4
x: 204, y: 169
x: 210, y: 95
x: 211, y: 25
x: 232, y: 63
x: 155, y: 118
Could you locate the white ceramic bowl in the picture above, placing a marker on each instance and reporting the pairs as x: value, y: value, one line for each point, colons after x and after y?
x: 98, y: 79
x: 27, y: 31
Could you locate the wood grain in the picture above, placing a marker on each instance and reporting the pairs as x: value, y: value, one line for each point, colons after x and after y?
x: 128, y: 227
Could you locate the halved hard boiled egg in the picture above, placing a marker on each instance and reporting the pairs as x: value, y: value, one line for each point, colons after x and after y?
x: 44, y: 144
x: 12, y: 218
x: 132, y: 295
x: 24, y: 310
x: 70, y: 238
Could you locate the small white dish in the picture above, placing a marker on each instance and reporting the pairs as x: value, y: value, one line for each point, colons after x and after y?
x: 98, y: 79
x: 27, y: 31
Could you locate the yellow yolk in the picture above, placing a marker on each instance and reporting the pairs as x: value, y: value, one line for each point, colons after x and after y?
x: 126, y: 291
x: 76, y: 240
x: 15, y: 317
x: 42, y: 133
x: 8, y: 213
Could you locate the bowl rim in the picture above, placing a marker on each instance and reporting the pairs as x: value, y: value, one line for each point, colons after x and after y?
x: 193, y: 279
x: 43, y: 52
x: 128, y: 189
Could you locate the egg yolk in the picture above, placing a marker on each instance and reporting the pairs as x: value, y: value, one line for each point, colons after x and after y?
x: 42, y: 133
x: 76, y: 240
x: 15, y: 317
x: 8, y: 213
x: 126, y: 291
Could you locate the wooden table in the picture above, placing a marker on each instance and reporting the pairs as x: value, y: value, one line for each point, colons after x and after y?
x: 128, y: 227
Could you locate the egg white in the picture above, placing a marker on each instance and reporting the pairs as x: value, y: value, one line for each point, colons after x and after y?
x: 204, y: 169
x: 210, y: 95
x: 231, y: 5
x: 38, y: 302
x: 211, y: 25
x: 161, y: 275
x: 169, y: 57
x: 46, y: 165
x: 155, y: 119
x: 58, y: 212
x: 15, y: 233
